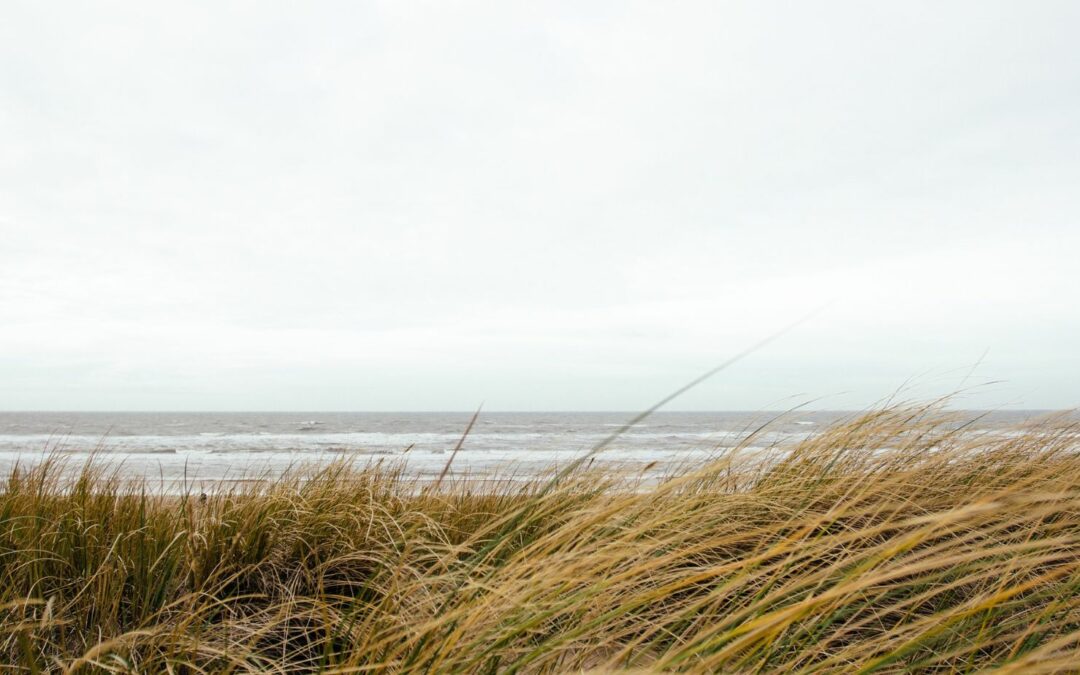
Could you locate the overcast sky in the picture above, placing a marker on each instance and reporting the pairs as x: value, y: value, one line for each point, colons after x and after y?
x: 580, y: 205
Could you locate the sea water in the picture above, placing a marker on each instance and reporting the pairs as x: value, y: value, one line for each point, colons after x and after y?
x: 198, y: 448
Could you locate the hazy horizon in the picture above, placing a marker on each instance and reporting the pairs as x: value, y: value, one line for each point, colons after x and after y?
x: 673, y: 408
x: 394, y: 207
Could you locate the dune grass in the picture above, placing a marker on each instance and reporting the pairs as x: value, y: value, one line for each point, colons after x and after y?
x: 894, y: 541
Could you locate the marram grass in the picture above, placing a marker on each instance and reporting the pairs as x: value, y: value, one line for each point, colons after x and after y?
x: 891, y: 542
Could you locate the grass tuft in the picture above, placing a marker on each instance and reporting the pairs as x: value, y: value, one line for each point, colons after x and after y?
x: 894, y: 541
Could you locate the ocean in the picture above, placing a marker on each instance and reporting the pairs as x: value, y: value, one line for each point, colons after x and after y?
x: 200, y: 448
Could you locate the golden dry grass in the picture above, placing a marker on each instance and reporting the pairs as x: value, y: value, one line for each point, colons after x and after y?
x: 891, y: 542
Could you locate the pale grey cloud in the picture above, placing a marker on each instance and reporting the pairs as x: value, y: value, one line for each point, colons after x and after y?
x: 554, y: 205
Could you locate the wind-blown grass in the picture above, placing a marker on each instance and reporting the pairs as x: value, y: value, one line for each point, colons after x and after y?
x: 894, y: 541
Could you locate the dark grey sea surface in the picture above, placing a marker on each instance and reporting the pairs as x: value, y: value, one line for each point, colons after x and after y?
x: 215, y: 446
